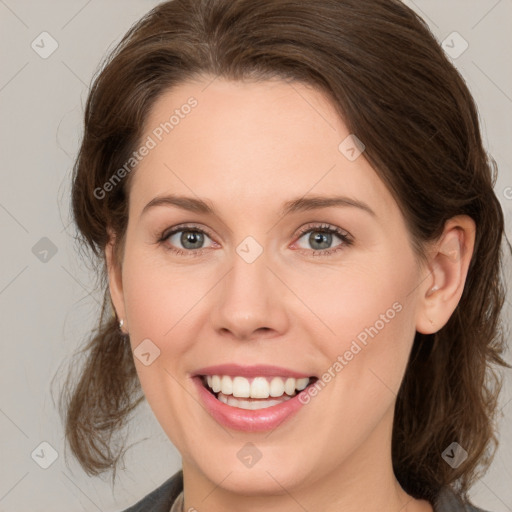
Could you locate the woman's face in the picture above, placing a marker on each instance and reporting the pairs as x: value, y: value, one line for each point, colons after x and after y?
x: 260, y: 280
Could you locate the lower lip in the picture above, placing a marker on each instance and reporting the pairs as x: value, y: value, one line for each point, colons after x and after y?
x: 248, y: 420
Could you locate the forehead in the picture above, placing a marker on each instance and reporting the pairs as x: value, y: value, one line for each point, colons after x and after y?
x: 250, y: 143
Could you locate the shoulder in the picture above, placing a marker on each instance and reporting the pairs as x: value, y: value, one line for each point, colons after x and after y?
x: 448, y: 501
x: 161, y: 498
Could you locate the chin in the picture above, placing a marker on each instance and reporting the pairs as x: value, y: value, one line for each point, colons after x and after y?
x: 262, y: 479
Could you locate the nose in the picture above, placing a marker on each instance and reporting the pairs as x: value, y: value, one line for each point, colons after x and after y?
x: 250, y: 302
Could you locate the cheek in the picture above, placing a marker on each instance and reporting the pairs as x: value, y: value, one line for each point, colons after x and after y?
x: 374, y: 325
x: 357, y: 302
x: 157, y: 300
x: 159, y: 297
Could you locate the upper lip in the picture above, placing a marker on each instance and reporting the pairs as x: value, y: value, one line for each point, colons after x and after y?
x: 250, y: 371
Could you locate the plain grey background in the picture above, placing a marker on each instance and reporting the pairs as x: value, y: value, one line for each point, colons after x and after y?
x: 47, y: 299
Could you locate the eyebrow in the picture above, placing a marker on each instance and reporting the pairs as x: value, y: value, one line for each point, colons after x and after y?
x: 295, y: 205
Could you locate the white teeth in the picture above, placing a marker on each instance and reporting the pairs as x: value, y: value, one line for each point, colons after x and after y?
x: 302, y: 383
x: 251, y: 405
x: 289, y: 386
x: 215, y: 383
x: 276, y: 386
x: 257, y: 387
x: 226, y: 385
x: 241, y: 387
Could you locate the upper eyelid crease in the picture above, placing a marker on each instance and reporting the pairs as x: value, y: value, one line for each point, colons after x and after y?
x: 302, y: 231
x: 343, y: 235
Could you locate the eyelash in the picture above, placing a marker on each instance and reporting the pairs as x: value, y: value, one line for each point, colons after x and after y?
x: 322, y: 228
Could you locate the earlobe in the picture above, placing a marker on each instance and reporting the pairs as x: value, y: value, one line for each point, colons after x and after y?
x: 448, y: 266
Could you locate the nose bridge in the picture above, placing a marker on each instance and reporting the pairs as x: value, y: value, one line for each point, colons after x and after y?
x: 250, y: 297
x: 246, y: 288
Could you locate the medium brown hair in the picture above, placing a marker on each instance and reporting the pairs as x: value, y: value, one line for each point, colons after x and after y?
x: 394, y: 88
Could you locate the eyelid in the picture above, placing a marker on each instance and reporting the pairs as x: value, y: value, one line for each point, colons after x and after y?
x: 185, y: 227
x: 322, y: 226
x: 346, y: 238
x: 344, y: 235
x: 301, y: 231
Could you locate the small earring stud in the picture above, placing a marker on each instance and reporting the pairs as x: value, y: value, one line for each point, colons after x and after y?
x: 121, y: 322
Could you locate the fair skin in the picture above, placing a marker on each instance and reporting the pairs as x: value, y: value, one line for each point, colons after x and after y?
x: 247, y: 148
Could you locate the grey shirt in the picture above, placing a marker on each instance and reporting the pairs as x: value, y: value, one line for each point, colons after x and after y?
x: 169, y: 498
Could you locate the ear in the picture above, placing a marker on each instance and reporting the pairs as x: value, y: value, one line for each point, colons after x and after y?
x: 448, y: 266
x: 115, y: 281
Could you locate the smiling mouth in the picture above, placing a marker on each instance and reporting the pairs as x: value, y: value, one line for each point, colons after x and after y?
x: 256, y: 392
